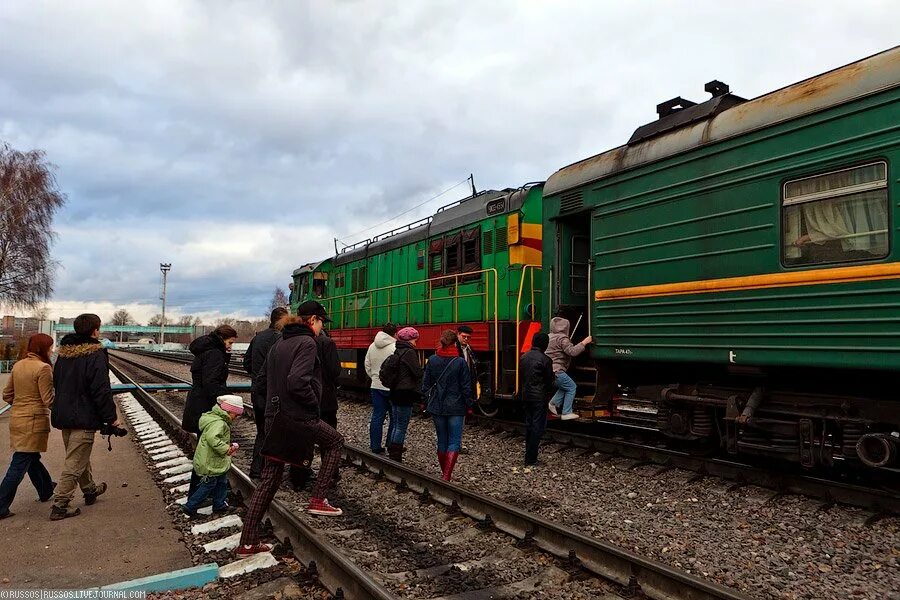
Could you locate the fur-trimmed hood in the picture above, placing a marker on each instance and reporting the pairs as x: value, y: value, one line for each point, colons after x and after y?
x: 292, y: 325
x: 75, y: 345
x: 288, y: 320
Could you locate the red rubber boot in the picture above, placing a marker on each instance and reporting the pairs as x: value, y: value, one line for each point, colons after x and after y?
x: 442, y: 460
x: 449, y: 464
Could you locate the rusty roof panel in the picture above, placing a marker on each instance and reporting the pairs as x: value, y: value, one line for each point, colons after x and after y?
x: 861, y: 78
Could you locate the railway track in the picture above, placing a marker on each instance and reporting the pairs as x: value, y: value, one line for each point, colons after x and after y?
x: 397, y: 538
x: 880, y: 496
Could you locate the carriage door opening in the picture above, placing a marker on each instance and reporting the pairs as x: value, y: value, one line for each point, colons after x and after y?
x: 573, y: 296
x: 573, y: 261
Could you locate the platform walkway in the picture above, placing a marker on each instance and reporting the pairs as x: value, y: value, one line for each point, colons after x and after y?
x: 127, y: 534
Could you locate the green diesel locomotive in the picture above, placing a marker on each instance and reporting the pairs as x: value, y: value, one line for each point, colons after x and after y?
x: 475, y: 261
x: 734, y: 262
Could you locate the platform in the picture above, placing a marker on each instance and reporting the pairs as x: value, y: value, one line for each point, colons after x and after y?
x: 127, y: 534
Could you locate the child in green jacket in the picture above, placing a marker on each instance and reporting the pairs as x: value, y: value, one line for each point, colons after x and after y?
x: 212, y: 459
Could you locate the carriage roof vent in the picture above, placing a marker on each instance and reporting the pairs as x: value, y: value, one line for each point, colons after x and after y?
x: 679, y: 112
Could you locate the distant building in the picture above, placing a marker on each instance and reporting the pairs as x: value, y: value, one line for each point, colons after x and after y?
x: 22, y: 327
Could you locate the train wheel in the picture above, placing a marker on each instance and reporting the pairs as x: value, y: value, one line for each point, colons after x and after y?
x: 488, y: 409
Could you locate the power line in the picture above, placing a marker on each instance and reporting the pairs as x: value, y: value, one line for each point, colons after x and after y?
x: 407, y: 211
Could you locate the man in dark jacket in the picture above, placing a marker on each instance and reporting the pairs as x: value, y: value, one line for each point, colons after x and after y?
x: 254, y: 358
x: 293, y: 392
x: 83, y: 404
x: 328, y: 405
x: 463, y: 336
x: 331, y: 369
x: 537, y: 385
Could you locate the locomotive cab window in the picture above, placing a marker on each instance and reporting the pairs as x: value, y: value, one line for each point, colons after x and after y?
x: 452, y: 254
x: 836, y: 217
x: 470, y: 250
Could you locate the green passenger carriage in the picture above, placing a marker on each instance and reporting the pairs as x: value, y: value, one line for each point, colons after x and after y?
x: 742, y: 248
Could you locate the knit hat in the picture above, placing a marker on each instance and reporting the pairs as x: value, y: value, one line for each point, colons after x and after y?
x: 232, y: 404
x: 408, y: 333
x: 540, y: 341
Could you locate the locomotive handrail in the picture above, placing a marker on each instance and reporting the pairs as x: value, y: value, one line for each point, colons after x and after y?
x: 329, y: 302
x: 525, y: 269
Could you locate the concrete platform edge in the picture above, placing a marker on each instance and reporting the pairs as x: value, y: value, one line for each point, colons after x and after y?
x: 173, y: 580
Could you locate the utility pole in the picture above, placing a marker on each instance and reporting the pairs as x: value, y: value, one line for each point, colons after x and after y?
x: 164, y: 268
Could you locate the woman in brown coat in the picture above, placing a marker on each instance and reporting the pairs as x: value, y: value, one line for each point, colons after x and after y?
x: 30, y: 391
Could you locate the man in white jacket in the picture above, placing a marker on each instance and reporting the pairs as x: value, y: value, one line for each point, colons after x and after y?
x: 379, y: 350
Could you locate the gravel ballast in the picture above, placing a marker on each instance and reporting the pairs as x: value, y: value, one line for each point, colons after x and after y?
x: 784, y: 549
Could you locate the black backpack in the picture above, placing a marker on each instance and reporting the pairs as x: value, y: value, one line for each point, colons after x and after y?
x: 389, y: 373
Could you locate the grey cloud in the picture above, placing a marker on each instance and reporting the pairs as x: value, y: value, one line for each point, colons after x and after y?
x: 340, y: 115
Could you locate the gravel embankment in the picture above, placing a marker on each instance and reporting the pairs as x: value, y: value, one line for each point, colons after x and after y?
x: 421, y: 550
x: 784, y: 550
x: 787, y: 549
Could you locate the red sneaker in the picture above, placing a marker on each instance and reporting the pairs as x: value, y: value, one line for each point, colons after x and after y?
x: 248, y: 549
x: 320, y: 506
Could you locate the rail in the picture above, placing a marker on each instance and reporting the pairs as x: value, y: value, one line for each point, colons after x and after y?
x: 370, y: 296
x: 525, y: 269
x: 341, y: 576
x: 654, y: 579
x: 879, y: 500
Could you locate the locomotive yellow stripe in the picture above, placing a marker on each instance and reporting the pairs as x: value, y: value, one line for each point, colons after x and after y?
x: 532, y: 230
x: 348, y: 365
x: 755, y: 282
x: 523, y: 255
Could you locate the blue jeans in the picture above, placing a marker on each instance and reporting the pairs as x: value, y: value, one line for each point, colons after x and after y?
x: 214, y: 485
x: 399, y: 422
x: 22, y: 463
x: 565, y: 394
x: 449, y: 432
x: 381, y: 408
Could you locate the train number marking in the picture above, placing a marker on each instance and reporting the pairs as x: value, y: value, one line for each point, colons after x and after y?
x: 732, y: 357
x: 623, y: 351
x: 496, y: 207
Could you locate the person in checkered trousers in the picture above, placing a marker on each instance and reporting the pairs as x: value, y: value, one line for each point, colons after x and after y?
x: 293, y: 375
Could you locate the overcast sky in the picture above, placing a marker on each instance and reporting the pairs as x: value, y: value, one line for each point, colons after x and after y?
x: 236, y: 140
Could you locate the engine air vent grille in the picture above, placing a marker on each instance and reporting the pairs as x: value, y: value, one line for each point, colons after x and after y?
x: 500, y: 239
x: 487, y: 242
x: 571, y: 202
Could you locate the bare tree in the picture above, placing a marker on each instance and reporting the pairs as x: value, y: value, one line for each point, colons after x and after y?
x: 279, y: 298
x: 42, y: 313
x: 227, y: 321
x: 157, y: 320
x: 122, y: 317
x: 29, y: 197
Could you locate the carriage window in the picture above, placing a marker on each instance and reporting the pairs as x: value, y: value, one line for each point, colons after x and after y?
x: 339, y: 279
x: 436, y: 258
x: 452, y: 262
x: 319, y: 288
x: 578, y: 274
x: 358, y: 280
x: 470, y: 252
x: 836, y: 217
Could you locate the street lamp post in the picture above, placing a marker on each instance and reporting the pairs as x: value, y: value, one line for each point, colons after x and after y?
x: 164, y: 268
